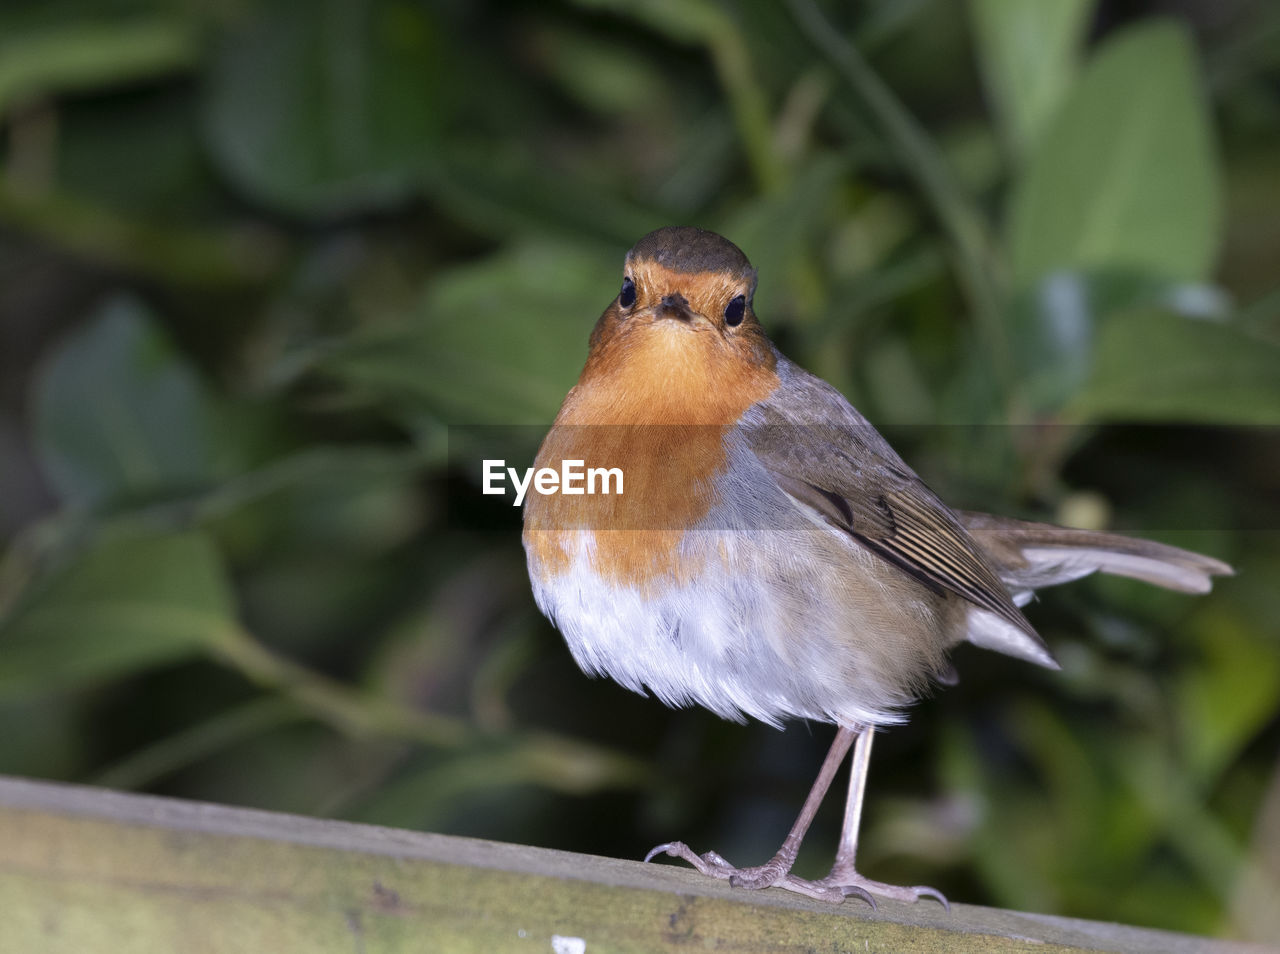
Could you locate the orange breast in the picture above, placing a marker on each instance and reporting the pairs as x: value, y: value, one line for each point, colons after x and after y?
x: 657, y: 405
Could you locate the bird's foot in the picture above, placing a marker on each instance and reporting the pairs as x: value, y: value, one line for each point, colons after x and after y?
x: 774, y: 873
x: 845, y: 879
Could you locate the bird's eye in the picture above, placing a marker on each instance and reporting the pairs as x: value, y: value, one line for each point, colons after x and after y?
x: 735, y: 311
x: 627, y: 297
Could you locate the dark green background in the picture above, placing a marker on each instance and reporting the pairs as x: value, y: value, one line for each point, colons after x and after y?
x: 271, y: 273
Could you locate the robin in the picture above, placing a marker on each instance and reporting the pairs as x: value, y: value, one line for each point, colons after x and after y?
x: 770, y: 555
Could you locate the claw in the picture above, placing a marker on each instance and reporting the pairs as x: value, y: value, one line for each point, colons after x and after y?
x: 927, y: 892
x: 850, y: 882
x: 843, y: 882
x: 709, y: 864
x: 660, y: 849
x: 775, y: 873
x: 853, y: 889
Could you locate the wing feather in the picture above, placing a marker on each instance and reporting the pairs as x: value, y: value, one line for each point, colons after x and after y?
x: 849, y: 475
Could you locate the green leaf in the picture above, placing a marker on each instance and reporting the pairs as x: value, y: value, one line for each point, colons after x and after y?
x: 506, y: 194
x: 778, y: 230
x: 117, y: 412
x: 608, y: 75
x: 88, y: 56
x: 330, y: 107
x: 98, y: 150
x: 129, y: 603
x: 1029, y: 51
x: 499, y: 342
x: 1054, y: 325
x: 1125, y: 175
x: 1055, y: 333
x: 1229, y: 695
x: 685, y: 21
x: 1151, y: 365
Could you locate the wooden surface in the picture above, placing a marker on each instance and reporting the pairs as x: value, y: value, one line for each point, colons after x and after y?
x: 88, y: 870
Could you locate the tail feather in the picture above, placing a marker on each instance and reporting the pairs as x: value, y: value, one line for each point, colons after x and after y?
x: 1028, y: 556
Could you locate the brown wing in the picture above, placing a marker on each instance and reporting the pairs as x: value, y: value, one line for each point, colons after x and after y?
x: 850, y: 476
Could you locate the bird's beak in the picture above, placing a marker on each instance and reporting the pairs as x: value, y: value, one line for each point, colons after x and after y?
x: 674, y: 306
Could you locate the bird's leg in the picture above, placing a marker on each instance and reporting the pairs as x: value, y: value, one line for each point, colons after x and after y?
x: 776, y: 872
x: 844, y: 876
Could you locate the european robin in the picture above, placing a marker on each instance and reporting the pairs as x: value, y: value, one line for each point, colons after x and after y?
x: 770, y: 555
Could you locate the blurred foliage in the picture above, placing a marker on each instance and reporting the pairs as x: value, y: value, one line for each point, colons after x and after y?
x: 271, y: 271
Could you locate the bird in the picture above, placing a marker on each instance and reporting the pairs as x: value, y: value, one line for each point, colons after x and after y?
x: 770, y: 556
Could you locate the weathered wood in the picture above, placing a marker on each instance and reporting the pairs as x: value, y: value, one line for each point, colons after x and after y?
x: 92, y: 871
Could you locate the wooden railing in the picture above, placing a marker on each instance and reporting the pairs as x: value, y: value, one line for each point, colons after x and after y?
x: 92, y: 871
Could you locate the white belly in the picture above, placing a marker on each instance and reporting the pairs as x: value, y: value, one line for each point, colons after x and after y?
x: 769, y: 630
